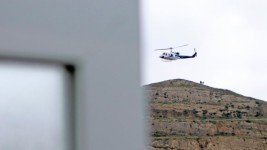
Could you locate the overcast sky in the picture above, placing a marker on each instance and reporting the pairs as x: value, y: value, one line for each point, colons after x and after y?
x: 32, y: 106
x: 229, y: 36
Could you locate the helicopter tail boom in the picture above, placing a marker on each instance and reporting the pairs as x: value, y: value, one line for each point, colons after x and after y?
x: 193, y: 56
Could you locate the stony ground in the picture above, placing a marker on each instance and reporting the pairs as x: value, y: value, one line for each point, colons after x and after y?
x: 189, y: 116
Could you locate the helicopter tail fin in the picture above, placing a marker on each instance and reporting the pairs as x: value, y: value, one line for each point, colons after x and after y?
x: 195, y: 54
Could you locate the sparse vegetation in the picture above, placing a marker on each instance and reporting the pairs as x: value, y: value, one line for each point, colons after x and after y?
x: 194, y: 111
x: 219, y: 133
x: 248, y: 121
x: 226, y: 115
x: 204, y: 114
x: 258, y: 114
x: 238, y: 114
x: 157, y: 134
x: 186, y: 112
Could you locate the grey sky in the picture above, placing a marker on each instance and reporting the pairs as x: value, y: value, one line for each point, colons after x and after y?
x: 32, y: 101
x: 229, y: 36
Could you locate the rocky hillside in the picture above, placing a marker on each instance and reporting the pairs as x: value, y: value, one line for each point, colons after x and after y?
x: 189, y: 116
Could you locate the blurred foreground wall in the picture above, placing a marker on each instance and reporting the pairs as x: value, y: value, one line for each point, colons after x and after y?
x: 100, y: 39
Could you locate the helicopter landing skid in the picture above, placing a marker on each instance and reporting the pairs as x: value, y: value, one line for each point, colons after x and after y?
x: 164, y: 60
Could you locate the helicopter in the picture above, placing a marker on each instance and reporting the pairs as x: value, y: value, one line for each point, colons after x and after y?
x: 170, y: 56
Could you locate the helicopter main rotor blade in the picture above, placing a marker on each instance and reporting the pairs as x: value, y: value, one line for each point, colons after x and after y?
x: 170, y: 48
x: 163, y: 49
x: 181, y: 46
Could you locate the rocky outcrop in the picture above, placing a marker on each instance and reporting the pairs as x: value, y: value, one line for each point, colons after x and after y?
x: 188, y: 115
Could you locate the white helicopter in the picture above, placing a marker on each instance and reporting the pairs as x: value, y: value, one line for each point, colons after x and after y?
x: 169, y: 56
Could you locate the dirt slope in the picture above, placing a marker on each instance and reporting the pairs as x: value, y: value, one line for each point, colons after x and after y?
x: 189, y: 116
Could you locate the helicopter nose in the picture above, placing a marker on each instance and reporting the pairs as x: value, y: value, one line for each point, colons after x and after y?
x: 161, y: 56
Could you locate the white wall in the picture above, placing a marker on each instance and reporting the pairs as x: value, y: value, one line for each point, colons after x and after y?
x: 101, y: 39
